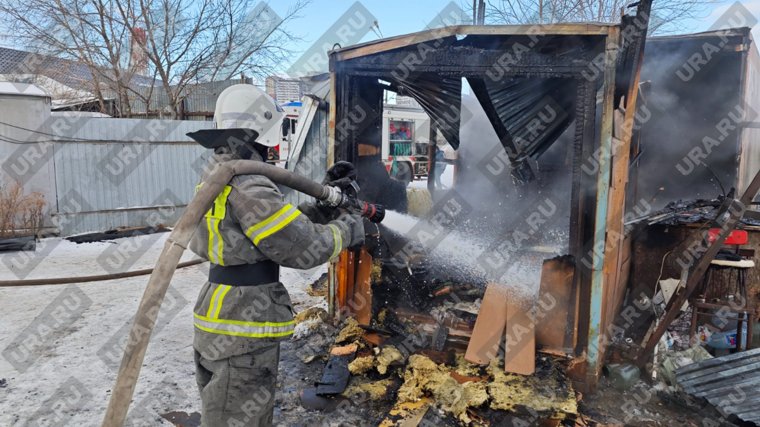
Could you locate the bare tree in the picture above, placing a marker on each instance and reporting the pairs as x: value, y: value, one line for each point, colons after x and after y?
x: 192, y: 41
x: 68, y: 29
x: 181, y: 42
x: 667, y: 15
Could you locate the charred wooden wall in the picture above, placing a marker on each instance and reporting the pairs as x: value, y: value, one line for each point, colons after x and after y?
x: 652, y: 243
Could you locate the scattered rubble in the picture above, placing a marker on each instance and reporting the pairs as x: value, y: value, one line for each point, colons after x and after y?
x: 548, y: 392
x: 318, y: 288
x: 309, y: 321
x: 361, y: 365
x: 315, y: 312
x: 376, y: 273
x: 352, y: 331
x: 419, y: 201
x: 374, y: 390
x: 344, y: 350
x: 676, y: 360
x: 423, y: 376
x: 407, y: 411
x: 389, y: 355
x: 466, y: 368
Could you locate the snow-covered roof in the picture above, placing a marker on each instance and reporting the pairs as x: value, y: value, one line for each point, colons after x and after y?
x: 71, y: 73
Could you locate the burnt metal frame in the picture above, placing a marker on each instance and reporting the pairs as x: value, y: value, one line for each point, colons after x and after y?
x: 588, y: 218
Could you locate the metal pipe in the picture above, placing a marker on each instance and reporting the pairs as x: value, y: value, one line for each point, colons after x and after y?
x: 176, y: 243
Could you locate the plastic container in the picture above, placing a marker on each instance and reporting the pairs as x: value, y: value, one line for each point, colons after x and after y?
x: 622, y: 376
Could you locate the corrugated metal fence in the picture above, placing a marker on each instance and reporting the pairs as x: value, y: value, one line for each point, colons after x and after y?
x: 104, y: 173
x: 124, y: 172
x: 198, y: 104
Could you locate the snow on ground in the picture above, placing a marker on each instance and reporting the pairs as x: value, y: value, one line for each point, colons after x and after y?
x: 60, y: 346
x: 447, y: 179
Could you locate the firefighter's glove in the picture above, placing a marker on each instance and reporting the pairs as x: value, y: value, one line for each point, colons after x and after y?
x: 342, y: 175
x: 341, y: 169
x: 355, y: 227
x: 318, y: 213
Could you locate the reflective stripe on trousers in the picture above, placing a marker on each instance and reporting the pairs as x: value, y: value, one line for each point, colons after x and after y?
x: 211, y: 322
x: 239, y: 328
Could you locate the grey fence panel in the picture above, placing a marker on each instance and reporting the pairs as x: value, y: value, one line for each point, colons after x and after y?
x: 129, y: 130
x: 139, y: 170
x: 84, y: 222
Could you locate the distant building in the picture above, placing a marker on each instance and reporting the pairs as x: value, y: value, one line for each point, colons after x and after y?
x: 407, y: 101
x: 71, y: 86
x: 284, y: 89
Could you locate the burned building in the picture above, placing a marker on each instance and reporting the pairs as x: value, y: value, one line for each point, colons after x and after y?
x: 555, y: 97
x: 698, y: 116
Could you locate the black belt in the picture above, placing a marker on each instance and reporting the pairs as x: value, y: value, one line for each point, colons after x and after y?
x: 245, y: 274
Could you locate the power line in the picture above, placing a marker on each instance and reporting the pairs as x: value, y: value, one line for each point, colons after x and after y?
x: 34, y: 131
x: 60, y: 138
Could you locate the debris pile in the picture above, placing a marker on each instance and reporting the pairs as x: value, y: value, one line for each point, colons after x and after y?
x: 309, y: 321
x: 424, y: 377
x: 351, y: 332
x: 405, y: 384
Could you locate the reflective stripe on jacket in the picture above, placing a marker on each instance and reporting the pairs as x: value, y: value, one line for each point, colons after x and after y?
x: 247, y: 223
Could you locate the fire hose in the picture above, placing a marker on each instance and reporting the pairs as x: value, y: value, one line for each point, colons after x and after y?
x: 84, y: 279
x: 175, y: 245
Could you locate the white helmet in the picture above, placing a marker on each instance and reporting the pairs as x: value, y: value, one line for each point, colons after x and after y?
x: 248, y: 107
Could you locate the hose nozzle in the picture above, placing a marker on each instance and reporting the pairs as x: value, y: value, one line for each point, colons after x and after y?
x: 373, y: 212
x: 335, y: 198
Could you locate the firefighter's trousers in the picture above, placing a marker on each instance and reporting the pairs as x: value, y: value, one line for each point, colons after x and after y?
x: 238, y: 330
x: 238, y: 390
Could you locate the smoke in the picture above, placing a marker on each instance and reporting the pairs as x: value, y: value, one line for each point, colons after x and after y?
x: 686, y: 118
x: 507, y: 229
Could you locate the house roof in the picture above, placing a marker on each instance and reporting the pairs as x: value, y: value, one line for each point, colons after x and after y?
x: 23, y: 89
x: 73, y: 74
x: 726, y: 32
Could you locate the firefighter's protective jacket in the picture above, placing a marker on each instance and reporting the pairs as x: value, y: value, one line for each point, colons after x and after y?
x: 249, y: 222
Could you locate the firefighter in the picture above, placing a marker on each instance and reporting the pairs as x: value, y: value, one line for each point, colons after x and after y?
x: 243, y: 311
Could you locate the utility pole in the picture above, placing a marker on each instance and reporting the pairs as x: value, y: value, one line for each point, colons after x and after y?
x: 481, y: 12
x: 540, y: 11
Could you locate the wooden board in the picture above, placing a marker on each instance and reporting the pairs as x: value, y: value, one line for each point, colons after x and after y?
x: 342, y: 278
x: 362, y: 298
x: 489, y: 327
x: 373, y: 47
x: 557, y: 326
x: 520, y: 350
